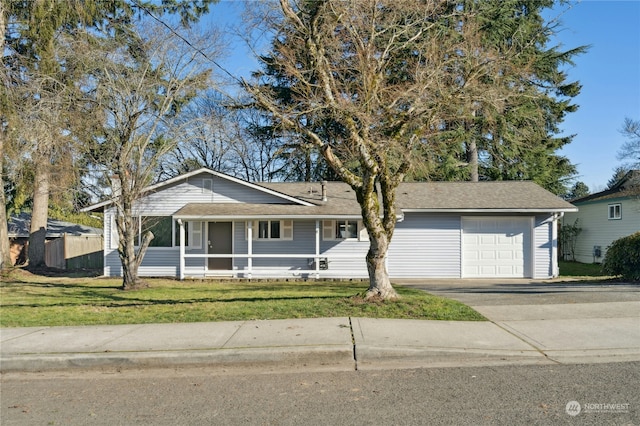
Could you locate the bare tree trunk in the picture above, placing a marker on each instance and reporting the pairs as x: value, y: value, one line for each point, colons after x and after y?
x: 472, y: 159
x: 5, y: 248
x: 39, y: 216
x: 129, y: 259
x: 379, y: 282
x: 379, y: 239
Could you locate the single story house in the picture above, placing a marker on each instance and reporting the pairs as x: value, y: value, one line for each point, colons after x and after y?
x: 208, y: 223
x: 605, y: 217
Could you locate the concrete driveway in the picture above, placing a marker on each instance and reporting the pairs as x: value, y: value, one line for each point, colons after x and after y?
x: 568, y: 321
x: 527, y: 292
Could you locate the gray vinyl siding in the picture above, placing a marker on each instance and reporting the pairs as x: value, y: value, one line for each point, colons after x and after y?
x: 157, y: 262
x: 426, y: 245
x: 192, y: 190
x: 347, y: 258
x: 543, y: 247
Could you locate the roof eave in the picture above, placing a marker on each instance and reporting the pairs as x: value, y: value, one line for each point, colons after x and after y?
x: 510, y: 210
x: 263, y: 217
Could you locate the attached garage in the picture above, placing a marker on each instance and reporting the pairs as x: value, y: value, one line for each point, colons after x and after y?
x: 496, y: 247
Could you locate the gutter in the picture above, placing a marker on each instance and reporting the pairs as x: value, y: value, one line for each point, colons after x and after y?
x: 513, y: 210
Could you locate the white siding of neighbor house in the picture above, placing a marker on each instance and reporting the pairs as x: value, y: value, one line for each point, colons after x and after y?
x: 598, y: 230
x: 426, y: 245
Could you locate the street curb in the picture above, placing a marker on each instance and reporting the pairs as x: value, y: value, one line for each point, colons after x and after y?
x: 340, y: 358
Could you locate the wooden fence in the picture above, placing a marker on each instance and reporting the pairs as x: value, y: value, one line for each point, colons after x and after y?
x: 74, y: 252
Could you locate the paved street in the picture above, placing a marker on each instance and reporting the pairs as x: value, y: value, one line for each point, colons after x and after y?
x: 606, y: 394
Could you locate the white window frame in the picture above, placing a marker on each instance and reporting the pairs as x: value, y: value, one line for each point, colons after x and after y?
x: 612, y: 210
x: 286, y: 230
x: 329, y: 231
x: 194, y: 238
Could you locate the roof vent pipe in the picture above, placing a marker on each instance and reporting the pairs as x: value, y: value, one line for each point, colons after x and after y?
x: 324, y: 190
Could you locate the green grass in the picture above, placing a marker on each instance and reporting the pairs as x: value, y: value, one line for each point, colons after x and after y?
x: 576, y: 269
x: 35, y: 300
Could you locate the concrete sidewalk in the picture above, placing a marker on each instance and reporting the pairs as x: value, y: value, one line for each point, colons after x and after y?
x: 536, y: 334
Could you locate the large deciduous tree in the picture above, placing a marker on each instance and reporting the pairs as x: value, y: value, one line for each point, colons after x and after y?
x: 375, y: 71
x: 139, y: 89
x: 373, y: 84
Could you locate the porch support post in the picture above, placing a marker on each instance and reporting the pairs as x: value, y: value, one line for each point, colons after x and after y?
x: 249, y: 248
x: 317, y: 259
x: 181, y: 224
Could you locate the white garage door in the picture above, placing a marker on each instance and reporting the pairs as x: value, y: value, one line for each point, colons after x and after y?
x: 495, y: 247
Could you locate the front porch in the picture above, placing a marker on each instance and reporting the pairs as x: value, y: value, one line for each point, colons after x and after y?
x: 304, y: 256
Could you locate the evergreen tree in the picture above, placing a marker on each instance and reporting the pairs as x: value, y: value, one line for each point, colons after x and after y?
x: 618, y: 174
x: 507, y: 113
x: 579, y: 190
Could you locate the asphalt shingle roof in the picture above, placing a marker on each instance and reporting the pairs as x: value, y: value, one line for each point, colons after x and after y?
x: 426, y: 196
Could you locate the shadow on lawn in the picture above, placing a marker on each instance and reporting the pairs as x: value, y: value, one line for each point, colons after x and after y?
x: 121, y: 302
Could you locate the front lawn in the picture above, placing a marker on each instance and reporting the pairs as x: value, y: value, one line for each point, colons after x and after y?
x: 35, y: 300
x: 577, y: 269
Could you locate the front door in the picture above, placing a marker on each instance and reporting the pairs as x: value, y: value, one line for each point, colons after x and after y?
x: 220, y: 238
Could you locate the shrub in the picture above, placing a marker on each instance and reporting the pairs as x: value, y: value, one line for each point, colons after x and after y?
x: 623, y: 258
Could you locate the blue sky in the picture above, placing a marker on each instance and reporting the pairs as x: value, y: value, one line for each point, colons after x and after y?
x: 610, y: 76
x: 609, y: 73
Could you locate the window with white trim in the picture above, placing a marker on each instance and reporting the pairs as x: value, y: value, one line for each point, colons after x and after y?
x: 615, y: 211
x: 192, y: 235
x: 160, y: 226
x: 344, y: 230
x: 271, y: 229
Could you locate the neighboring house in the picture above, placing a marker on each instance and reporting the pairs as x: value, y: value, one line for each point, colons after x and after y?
x: 207, y: 223
x: 67, y: 245
x: 606, y: 216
